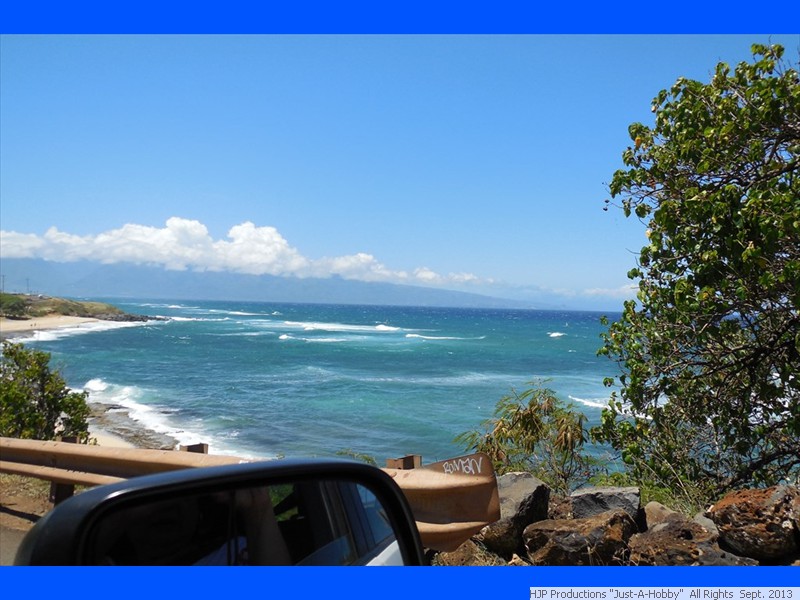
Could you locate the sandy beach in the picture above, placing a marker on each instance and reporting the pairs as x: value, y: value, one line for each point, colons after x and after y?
x: 19, y: 327
x: 109, y: 440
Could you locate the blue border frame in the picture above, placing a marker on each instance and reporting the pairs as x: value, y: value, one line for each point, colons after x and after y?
x: 408, y: 16
x: 412, y: 16
x: 384, y: 583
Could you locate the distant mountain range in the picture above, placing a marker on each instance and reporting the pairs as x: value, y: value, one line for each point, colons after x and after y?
x: 93, y: 280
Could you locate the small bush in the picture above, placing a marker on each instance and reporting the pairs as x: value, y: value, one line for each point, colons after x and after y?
x: 532, y: 431
x: 35, y: 402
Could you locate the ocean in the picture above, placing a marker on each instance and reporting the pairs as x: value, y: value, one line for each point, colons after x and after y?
x: 312, y: 380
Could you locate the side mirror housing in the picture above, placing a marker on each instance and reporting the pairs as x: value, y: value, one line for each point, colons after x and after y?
x: 282, y: 512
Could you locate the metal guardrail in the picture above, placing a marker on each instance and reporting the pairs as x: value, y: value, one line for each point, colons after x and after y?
x: 451, y: 499
x: 68, y: 464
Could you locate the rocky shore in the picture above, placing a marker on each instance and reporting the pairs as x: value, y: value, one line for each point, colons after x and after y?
x: 116, y: 421
x: 608, y: 526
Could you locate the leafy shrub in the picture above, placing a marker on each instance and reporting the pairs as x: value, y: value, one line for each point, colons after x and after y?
x: 35, y: 402
x: 532, y: 431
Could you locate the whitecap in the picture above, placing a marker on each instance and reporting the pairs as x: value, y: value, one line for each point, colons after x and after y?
x: 442, y: 337
x: 95, y: 385
x: 339, y: 327
x: 205, y: 320
x: 236, y: 313
x: 50, y: 335
x: 555, y: 334
x: 598, y: 403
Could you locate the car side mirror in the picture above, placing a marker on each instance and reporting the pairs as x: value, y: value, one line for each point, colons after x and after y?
x: 282, y: 512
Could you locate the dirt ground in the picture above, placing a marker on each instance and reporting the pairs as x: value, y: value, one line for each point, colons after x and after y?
x: 22, y: 501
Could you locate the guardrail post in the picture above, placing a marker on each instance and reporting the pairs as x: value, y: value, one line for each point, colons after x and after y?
x: 61, y: 491
x: 412, y: 461
x: 198, y: 448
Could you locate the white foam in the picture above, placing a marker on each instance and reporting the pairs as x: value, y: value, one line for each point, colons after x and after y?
x: 95, y: 385
x: 171, y: 306
x: 442, y: 337
x: 555, y: 334
x: 50, y: 335
x: 315, y: 340
x: 236, y: 313
x: 340, y: 327
x: 243, y: 334
x: 598, y: 403
x: 203, y: 319
x: 153, y: 417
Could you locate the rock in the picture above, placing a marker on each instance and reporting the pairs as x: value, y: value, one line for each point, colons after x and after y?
x: 702, y: 520
x: 503, y: 537
x: 523, y: 497
x: 517, y: 561
x: 672, y: 539
x: 523, y: 500
x: 468, y: 554
x: 128, y: 318
x: 560, y: 508
x: 762, y: 524
x: 592, y: 501
x: 597, y: 540
x: 656, y: 513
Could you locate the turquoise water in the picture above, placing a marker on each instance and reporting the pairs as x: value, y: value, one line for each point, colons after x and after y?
x: 260, y: 379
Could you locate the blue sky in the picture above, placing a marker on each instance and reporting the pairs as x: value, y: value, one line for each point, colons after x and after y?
x: 470, y: 162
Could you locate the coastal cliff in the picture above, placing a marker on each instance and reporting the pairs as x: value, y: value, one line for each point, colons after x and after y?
x: 22, y: 313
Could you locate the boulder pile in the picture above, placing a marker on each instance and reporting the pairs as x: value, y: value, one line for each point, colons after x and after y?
x: 608, y: 526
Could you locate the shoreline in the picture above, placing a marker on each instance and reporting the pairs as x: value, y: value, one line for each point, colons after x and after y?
x: 109, y: 425
x: 22, y: 328
x: 112, y: 425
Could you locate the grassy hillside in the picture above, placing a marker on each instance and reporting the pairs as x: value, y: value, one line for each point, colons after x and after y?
x: 24, y: 306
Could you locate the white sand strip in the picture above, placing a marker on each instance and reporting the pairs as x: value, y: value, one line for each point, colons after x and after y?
x: 108, y: 440
x: 12, y: 326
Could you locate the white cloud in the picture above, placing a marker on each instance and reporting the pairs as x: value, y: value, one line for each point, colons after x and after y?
x: 625, y: 292
x: 426, y: 275
x: 186, y: 244
x: 361, y: 266
x: 20, y: 245
x: 257, y: 251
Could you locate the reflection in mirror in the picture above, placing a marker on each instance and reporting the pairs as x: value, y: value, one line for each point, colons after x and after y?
x: 330, y: 522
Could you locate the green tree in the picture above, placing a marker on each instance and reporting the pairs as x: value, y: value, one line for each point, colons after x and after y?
x: 710, y: 353
x: 12, y: 305
x: 35, y: 402
x: 534, y: 432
